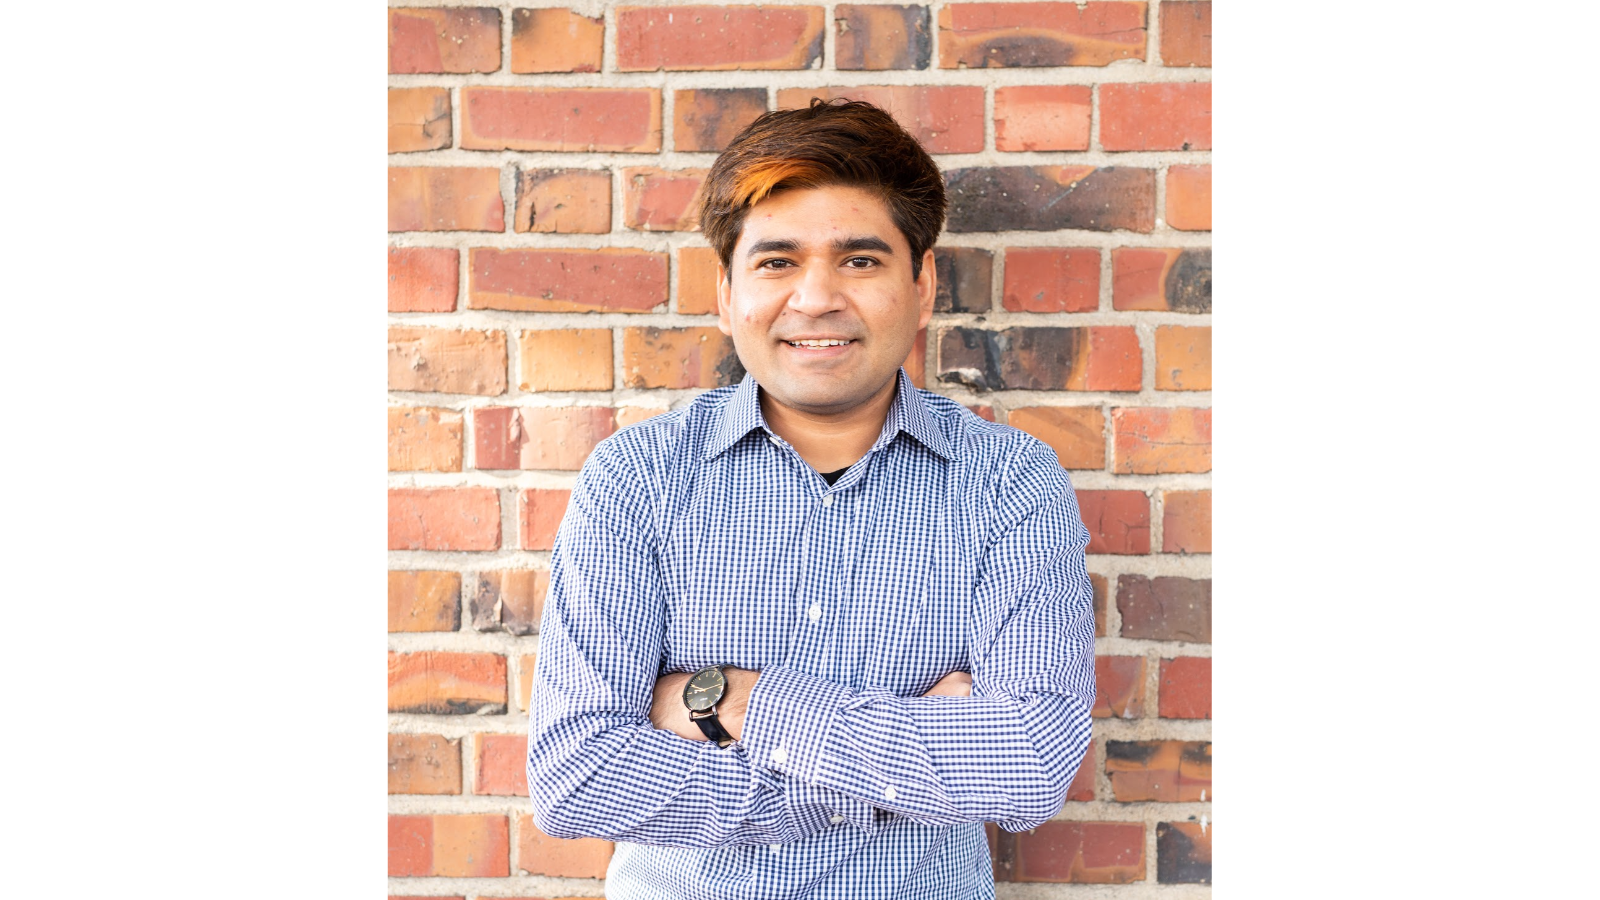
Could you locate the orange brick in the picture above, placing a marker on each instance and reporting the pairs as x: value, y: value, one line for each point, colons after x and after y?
x: 1051, y: 279
x: 609, y: 280
x: 683, y: 38
x: 1162, y: 771
x: 708, y: 119
x: 943, y: 118
x: 982, y: 35
x: 525, y: 680
x: 1096, y: 358
x: 437, y: 360
x: 1189, y: 198
x: 678, y: 358
x: 565, y: 359
x: 982, y: 411
x: 419, y: 119
x: 423, y: 279
x: 555, y: 40
x: 435, y: 41
x: 445, y: 198
x: 1159, y: 441
x: 1183, y: 851
x: 438, y: 683
x: 424, y: 764
x: 563, y: 201
x: 1186, y: 522
x: 539, y: 437
x: 1186, y: 33
x: 410, y: 845
x: 510, y: 600
x: 617, y: 120
x: 1119, y: 687
x: 444, y: 519
x: 424, y: 601
x: 1082, y: 788
x: 541, y: 511
x: 1042, y: 117
x: 697, y: 281
x: 882, y: 37
x: 1118, y: 521
x: 1072, y: 852
x: 540, y: 854
x: 1076, y: 433
x: 656, y: 199
x: 502, y: 761
x: 1183, y: 358
x: 1186, y: 688
x: 630, y: 415
x: 471, y: 847
x: 1165, y: 280
x: 1165, y: 116
x: 424, y: 439
x: 1051, y: 198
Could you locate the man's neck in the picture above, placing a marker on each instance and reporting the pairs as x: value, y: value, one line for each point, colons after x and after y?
x: 832, y: 441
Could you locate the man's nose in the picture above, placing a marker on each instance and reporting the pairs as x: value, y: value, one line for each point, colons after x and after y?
x: 817, y: 292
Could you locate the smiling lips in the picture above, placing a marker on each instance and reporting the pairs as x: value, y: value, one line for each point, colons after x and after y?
x: 819, y: 342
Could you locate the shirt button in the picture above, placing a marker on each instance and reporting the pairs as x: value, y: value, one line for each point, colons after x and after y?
x: 889, y: 793
x: 836, y: 819
x: 815, y: 612
x: 774, y: 439
x: 780, y: 755
x: 828, y: 500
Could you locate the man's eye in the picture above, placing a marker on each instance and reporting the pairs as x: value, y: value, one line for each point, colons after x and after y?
x: 774, y: 264
x: 860, y: 262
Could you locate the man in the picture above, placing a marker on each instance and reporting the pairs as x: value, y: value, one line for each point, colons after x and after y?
x: 764, y: 607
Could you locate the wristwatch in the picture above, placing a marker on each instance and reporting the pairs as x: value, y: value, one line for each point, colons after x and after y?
x: 702, y: 694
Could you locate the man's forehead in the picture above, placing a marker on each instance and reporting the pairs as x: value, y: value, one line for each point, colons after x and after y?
x: 790, y: 217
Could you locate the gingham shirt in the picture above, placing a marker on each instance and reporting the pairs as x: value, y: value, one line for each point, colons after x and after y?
x: 698, y: 538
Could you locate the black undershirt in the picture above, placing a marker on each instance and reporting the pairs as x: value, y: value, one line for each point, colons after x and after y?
x: 831, y: 477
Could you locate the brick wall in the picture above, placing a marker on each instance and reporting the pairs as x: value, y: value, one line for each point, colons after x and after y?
x: 547, y: 287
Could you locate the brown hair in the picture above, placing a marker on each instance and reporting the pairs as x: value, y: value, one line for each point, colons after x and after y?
x: 830, y: 142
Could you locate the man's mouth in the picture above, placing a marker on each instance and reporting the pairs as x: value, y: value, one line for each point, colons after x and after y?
x: 825, y: 342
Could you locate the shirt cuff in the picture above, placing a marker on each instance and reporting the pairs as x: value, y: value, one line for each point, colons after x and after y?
x: 787, y: 721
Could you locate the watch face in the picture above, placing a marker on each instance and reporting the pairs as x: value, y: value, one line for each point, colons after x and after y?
x: 704, y: 689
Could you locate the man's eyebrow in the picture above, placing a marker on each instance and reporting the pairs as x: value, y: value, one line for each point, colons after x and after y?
x: 773, y: 245
x: 850, y: 245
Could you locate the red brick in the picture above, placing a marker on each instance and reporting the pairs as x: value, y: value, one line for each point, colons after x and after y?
x: 510, y: 600
x: 1189, y: 198
x: 1183, y: 358
x: 539, y: 437
x: 437, y: 360
x: 424, y: 439
x: 555, y: 40
x: 617, y: 120
x: 1183, y: 849
x: 424, y: 601
x: 1102, y: 592
x: 525, y: 680
x: 1163, y: 280
x: 659, y: 200
x: 916, y: 363
x: 1042, y: 117
x: 1051, y: 279
x: 563, y: 201
x: 445, y: 198
x: 1165, y: 116
x: 1186, y: 522
x: 438, y: 683
x: 707, y: 120
x: 983, y: 35
x: 1076, y: 433
x: 681, y: 38
x: 697, y: 281
x: 423, y: 279
x: 419, y: 119
x: 1161, y: 771
x: 1160, y: 440
x: 471, y: 847
x: 434, y: 41
x: 564, y: 359
x: 982, y: 411
x: 410, y: 845
x: 678, y: 358
x: 540, y: 854
x: 1119, y: 687
x: 466, y: 518
x: 1186, y: 688
x: 1165, y: 608
x: 1051, y: 198
x: 424, y: 764
x: 881, y: 37
x: 944, y: 118
x: 502, y: 761
x: 1072, y: 852
x: 1082, y: 788
x: 1186, y: 34
x: 1118, y: 521
x: 541, y: 511
x: 1093, y: 358
x: 965, y: 276
x: 537, y: 280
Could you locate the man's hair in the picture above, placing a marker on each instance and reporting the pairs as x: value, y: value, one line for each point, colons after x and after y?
x: 828, y: 143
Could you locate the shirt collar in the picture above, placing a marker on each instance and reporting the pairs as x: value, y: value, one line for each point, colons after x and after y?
x: 908, y: 412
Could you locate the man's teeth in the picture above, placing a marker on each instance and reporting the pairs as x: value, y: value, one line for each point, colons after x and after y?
x: 827, y: 343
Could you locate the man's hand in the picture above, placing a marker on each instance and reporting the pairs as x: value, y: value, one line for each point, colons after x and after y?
x: 668, y: 713
x: 956, y: 684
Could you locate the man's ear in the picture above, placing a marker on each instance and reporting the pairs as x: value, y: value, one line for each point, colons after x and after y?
x: 724, y: 298
x: 927, y: 289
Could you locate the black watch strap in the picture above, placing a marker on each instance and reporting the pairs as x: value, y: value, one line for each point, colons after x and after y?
x: 712, y: 728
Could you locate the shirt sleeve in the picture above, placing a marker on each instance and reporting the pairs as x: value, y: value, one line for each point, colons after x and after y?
x: 596, y: 766
x: 1008, y: 753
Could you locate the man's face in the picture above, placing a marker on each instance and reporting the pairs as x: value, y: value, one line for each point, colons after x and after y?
x: 819, y: 299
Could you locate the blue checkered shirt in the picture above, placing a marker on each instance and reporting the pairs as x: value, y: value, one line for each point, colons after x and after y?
x: 699, y: 538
